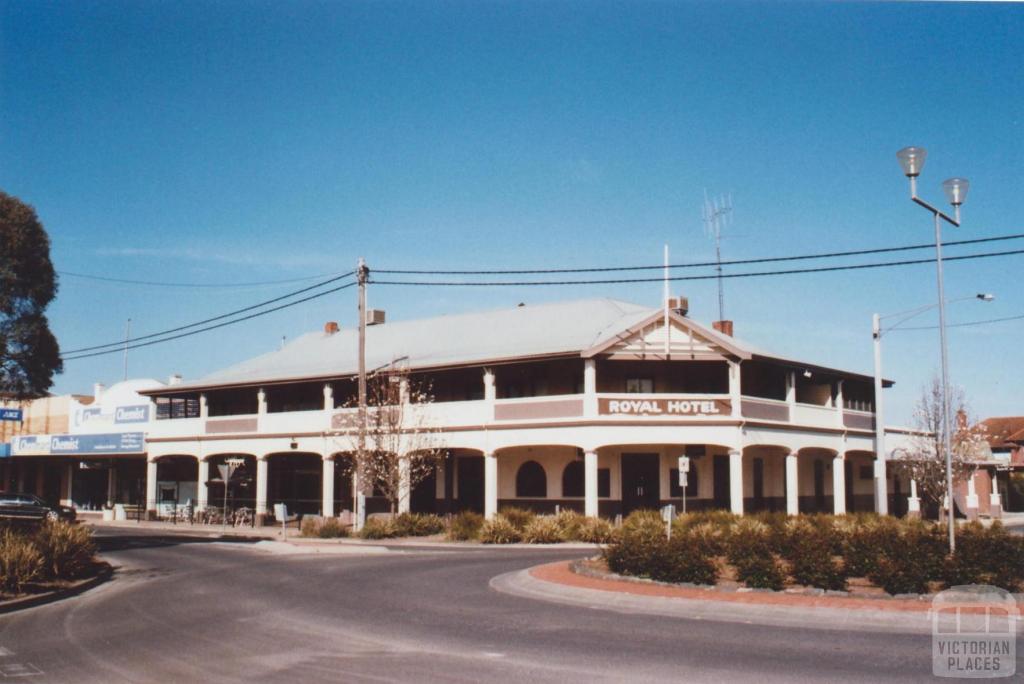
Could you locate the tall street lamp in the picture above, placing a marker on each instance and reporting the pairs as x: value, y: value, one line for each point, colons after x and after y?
x: 911, y: 160
x: 881, y: 488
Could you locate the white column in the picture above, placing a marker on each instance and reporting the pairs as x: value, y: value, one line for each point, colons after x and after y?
x: 736, y: 480
x: 261, y: 485
x: 327, y: 505
x: 881, y: 486
x: 590, y: 484
x: 792, y: 484
x: 839, y: 485
x: 490, y: 485
x: 404, y: 488
x: 328, y: 397
x: 995, y: 501
x: 261, y: 402
x: 490, y: 393
x: 840, y: 404
x: 589, y: 387
x: 735, y: 391
x: 202, y: 490
x: 913, y: 503
x: 972, y: 498
x: 150, y: 485
x: 791, y: 388
x: 66, y: 498
x: 204, y: 409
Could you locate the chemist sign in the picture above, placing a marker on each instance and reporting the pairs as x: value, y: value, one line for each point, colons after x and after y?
x: 77, y: 445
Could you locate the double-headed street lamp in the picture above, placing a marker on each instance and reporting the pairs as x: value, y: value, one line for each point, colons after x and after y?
x: 911, y: 160
x: 881, y: 489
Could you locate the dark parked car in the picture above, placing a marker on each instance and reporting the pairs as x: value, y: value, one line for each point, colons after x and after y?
x: 29, y: 507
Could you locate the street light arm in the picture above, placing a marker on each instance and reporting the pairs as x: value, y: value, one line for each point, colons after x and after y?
x: 941, y: 214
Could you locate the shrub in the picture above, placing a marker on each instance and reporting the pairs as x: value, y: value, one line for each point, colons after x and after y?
x: 810, y: 547
x: 331, y: 528
x: 719, y: 519
x: 868, y: 540
x: 544, y: 529
x: 67, y: 550
x: 596, y: 531
x: 519, y: 518
x: 985, y: 556
x: 641, y: 549
x: 499, y: 530
x: 570, y: 525
x: 376, y: 528
x: 465, y: 526
x: 20, y: 562
x: 418, y: 525
x: 761, y: 572
x: 912, y: 562
x: 708, y: 538
x: 749, y: 548
x: 688, y: 558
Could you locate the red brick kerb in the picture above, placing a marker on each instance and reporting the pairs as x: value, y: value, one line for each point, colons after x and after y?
x: 562, y: 573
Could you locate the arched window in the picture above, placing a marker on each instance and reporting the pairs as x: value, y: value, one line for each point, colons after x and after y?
x: 572, y: 479
x: 531, y: 481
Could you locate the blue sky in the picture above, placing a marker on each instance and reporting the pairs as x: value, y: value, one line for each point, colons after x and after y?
x: 208, y: 142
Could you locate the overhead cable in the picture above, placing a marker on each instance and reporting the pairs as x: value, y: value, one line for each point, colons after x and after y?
x: 676, y: 278
x: 734, y: 262
x: 214, y: 327
x: 121, y: 343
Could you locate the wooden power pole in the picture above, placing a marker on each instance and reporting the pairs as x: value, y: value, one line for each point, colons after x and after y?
x: 363, y: 487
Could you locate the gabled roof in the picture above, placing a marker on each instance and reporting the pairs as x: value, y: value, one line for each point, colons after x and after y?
x: 1004, y: 432
x: 573, y: 328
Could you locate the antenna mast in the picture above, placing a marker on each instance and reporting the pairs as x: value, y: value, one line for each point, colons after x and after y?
x: 716, y: 216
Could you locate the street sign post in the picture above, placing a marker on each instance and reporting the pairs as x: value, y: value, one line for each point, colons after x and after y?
x: 227, y: 469
x: 684, y: 471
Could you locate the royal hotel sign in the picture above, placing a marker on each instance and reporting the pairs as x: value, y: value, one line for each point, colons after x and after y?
x: 627, y: 406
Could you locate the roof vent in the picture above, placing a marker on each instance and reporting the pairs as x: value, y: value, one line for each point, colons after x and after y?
x: 174, y: 380
x: 680, y: 305
x: 374, y: 317
x: 330, y: 327
x: 724, y: 327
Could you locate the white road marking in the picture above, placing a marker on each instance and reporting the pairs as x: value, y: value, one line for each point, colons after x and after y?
x: 19, y: 670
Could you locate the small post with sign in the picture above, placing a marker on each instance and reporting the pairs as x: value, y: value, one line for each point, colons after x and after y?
x: 684, y: 480
x: 669, y: 514
x: 227, y: 469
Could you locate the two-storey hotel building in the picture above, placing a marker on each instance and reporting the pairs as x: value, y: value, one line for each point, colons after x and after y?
x: 583, y: 404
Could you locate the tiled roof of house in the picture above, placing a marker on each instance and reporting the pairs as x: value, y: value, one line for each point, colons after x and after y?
x: 1004, y: 432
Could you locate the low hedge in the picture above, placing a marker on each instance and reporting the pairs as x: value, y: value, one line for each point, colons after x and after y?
x: 773, y: 550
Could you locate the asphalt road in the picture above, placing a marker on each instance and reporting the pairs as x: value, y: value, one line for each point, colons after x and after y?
x: 187, y: 610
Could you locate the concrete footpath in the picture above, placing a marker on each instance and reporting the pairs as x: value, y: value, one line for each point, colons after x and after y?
x: 556, y: 583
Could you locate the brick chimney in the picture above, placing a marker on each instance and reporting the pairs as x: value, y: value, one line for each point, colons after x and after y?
x: 330, y: 327
x: 680, y: 305
x: 724, y: 327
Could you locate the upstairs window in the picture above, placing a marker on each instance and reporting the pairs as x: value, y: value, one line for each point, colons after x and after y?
x: 639, y: 385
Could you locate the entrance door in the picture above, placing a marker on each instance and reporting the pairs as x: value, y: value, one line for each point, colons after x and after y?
x: 471, y: 483
x: 641, y: 486
x: 721, y: 489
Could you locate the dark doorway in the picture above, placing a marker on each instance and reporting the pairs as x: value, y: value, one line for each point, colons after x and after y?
x: 640, y: 483
x: 758, y: 483
x: 851, y: 505
x: 424, y: 495
x: 819, y: 486
x: 721, y: 484
x: 471, y: 483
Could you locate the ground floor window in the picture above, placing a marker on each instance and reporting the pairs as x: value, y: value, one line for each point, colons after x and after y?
x: 531, y: 481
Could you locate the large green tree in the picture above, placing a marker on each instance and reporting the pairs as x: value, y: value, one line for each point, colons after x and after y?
x: 29, y: 354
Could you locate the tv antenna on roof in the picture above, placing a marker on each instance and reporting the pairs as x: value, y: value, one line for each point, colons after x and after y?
x: 716, y: 213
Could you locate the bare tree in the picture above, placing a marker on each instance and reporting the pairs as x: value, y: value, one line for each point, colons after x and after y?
x: 401, y: 443
x: 925, y: 460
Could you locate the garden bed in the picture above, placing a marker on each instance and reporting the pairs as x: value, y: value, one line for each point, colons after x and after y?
x: 52, y: 558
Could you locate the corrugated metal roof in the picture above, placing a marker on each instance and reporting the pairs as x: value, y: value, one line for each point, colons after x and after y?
x: 460, y: 339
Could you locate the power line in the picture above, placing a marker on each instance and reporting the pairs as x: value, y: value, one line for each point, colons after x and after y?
x: 160, y: 283
x: 619, y: 281
x: 214, y: 327
x: 734, y: 262
x: 122, y: 343
x: 966, y: 324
